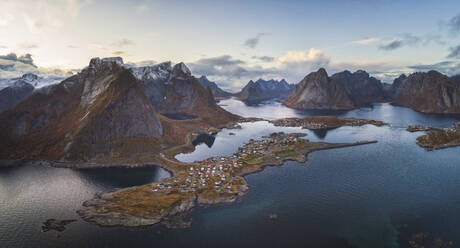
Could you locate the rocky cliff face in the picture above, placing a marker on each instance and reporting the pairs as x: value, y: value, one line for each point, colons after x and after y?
x: 108, y: 113
x: 217, y: 92
x: 86, y: 115
x: 262, y: 90
x: 360, y: 86
x: 318, y: 91
x: 429, y: 92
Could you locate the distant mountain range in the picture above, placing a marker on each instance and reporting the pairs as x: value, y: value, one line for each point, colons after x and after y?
x: 22, y: 87
x: 429, y: 92
x: 262, y: 90
x: 216, y: 91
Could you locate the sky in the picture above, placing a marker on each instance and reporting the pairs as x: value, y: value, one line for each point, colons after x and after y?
x: 235, y: 41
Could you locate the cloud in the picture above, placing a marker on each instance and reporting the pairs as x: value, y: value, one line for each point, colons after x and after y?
x: 367, y: 41
x: 12, y: 65
x: 454, y: 53
x: 264, y: 58
x: 27, y: 45
x: 454, y: 24
x: 447, y: 67
x: 118, y: 53
x: 406, y: 39
x: 142, y: 8
x: 409, y: 40
x: 25, y: 59
x: 141, y: 63
x: 124, y: 42
x: 40, y: 16
x: 254, y: 41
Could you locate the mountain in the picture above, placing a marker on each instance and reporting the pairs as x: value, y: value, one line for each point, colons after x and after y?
x: 11, y: 95
x: 318, y: 91
x: 262, y: 90
x: 19, y: 88
x: 104, y: 115
x: 362, y: 88
x: 456, y: 78
x: 429, y: 92
x: 217, y: 92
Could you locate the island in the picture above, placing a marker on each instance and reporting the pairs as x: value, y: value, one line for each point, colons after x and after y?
x: 324, y: 122
x: 211, y: 181
x: 439, y: 139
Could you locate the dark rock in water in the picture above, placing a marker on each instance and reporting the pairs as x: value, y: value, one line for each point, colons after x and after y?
x: 262, y: 90
x: 56, y: 225
x: 426, y: 240
x: 428, y: 92
x: 207, y: 139
x: 273, y: 216
x: 176, y: 222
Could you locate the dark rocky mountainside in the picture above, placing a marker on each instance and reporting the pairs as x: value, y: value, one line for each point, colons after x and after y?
x: 11, y: 95
x: 262, y: 90
x: 429, y: 92
x: 341, y: 91
x: 18, y: 89
x: 105, y: 114
x: 362, y: 88
x: 318, y: 91
x: 217, y: 92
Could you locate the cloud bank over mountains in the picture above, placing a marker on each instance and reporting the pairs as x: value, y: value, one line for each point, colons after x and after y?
x: 13, y: 65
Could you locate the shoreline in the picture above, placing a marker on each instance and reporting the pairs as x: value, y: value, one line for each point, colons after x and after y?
x: 195, y: 185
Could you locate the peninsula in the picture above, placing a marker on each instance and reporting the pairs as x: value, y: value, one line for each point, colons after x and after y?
x: 211, y: 181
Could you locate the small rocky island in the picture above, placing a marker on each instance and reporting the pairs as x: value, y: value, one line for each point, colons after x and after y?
x: 439, y: 139
x: 324, y: 122
x: 211, y: 181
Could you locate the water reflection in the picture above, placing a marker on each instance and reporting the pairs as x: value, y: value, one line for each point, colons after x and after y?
x: 207, y: 139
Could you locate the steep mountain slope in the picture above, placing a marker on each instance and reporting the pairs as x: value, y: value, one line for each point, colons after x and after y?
x: 217, y: 92
x: 429, y: 92
x: 105, y: 114
x: 362, y: 88
x: 318, y: 91
x: 262, y: 90
x: 84, y: 116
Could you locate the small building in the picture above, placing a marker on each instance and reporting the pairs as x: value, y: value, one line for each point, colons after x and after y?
x: 457, y: 125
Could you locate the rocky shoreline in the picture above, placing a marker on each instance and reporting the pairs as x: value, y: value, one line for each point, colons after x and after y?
x: 212, y: 181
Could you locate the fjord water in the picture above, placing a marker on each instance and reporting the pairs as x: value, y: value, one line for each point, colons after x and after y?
x: 366, y: 196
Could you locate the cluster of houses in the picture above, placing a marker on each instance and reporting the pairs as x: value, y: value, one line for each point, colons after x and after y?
x: 219, y: 173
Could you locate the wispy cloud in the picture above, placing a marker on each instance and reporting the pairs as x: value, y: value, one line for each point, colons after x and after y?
x: 264, y: 58
x: 118, y: 53
x: 27, y: 45
x: 367, y: 41
x: 454, y: 24
x: 254, y: 41
x: 454, y: 52
x: 124, y: 42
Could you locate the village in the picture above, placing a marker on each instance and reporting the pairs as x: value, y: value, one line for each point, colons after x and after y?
x: 211, y: 181
x: 223, y: 174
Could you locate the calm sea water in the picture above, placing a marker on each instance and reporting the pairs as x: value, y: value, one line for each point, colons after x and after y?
x: 367, y: 196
